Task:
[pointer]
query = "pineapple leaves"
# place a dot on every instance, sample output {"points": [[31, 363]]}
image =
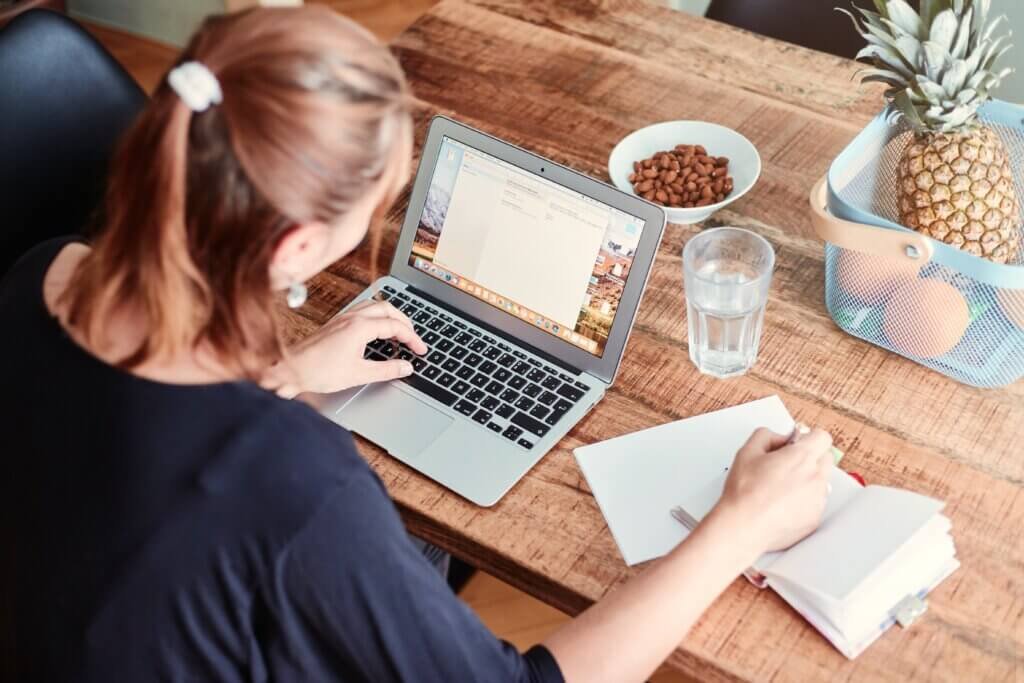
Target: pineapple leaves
{"points": [[934, 60], [905, 107], [944, 29], [963, 35], [933, 92], [903, 15], [953, 79]]}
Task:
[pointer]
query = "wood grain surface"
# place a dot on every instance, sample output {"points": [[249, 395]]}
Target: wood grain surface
{"points": [[568, 80]]}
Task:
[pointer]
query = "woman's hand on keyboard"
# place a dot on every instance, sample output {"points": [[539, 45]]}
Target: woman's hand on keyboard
{"points": [[331, 359]]}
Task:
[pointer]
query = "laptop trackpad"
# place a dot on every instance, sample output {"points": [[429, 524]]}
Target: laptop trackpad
{"points": [[396, 421]]}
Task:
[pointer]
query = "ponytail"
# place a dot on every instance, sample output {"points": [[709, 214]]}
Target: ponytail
{"points": [[314, 112]]}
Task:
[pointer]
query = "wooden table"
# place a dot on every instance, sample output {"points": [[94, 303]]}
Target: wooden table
{"points": [[568, 79]]}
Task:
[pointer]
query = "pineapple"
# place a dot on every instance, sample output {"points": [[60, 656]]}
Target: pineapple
{"points": [[954, 182]]}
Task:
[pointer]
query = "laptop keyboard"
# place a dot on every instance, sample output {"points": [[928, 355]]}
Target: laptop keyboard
{"points": [[485, 379]]}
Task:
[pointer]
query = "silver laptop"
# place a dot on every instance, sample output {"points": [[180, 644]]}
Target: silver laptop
{"points": [[523, 277]]}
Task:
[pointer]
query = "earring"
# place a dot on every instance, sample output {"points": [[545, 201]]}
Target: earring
{"points": [[297, 293]]}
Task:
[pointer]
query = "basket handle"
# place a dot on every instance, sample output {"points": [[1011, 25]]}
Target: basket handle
{"points": [[868, 239]]}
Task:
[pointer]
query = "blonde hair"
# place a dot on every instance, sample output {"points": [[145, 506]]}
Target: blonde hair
{"points": [[315, 113]]}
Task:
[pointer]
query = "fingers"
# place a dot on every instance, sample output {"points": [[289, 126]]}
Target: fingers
{"points": [[385, 370], [389, 328], [764, 440]]}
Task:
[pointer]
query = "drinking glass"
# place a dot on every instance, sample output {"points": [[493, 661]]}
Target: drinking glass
{"points": [[726, 273]]}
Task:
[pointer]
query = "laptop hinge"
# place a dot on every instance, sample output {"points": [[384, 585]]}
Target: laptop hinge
{"points": [[490, 328]]}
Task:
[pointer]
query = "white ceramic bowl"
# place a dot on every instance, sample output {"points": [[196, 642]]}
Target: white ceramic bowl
{"points": [[719, 141]]}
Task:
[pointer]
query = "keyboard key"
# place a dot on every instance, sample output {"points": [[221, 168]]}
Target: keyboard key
{"points": [[430, 337], [536, 375], [494, 427], [445, 380], [494, 388], [530, 424], [444, 316], [525, 444], [465, 372], [449, 331], [520, 367], [539, 412], [533, 361], [550, 370], [506, 360], [461, 387], [465, 407], [524, 403], [405, 354], [475, 333], [512, 432], [563, 406], [554, 417], [532, 390], [458, 352], [451, 365], [504, 347], [517, 382], [492, 352], [564, 377], [418, 364], [550, 382], [463, 338], [581, 385], [518, 354], [570, 392], [487, 367], [479, 380], [436, 357], [430, 389], [505, 410], [401, 296], [435, 324], [509, 396], [419, 329], [502, 375], [490, 340], [472, 360], [490, 403], [482, 416], [389, 288], [445, 344], [422, 317], [431, 310], [432, 372], [547, 398], [478, 345], [475, 395], [459, 324], [409, 309]]}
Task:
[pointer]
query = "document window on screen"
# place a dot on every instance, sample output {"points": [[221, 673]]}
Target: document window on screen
{"points": [[533, 248]]}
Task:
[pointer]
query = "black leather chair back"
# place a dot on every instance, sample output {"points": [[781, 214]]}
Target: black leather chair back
{"points": [[811, 23], [64, 101]]}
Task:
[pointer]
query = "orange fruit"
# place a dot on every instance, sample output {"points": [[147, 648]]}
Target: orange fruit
{"points": [[926, 318], [871, 278], [1012, 303]]}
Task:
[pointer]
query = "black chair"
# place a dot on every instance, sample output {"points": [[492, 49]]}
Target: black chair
{"points": [[64, 101], [811, 23]]}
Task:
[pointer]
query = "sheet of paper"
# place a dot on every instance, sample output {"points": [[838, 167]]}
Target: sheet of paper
{"points": [[638, 478]]}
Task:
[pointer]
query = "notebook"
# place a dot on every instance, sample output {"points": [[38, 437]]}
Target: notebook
{"points": [[878, 552]]}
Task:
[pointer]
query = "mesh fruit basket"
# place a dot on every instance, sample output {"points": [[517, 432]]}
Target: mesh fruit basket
{"points": [[944, 308]]}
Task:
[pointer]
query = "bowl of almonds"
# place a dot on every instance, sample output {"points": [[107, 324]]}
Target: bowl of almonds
{"points": [[689, 168]]}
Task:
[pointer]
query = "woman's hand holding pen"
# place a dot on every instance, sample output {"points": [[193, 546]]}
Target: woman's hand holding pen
{"points": [[776, 492]]}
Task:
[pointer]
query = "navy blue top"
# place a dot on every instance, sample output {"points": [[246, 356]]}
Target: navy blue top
{"points": [[203, 533]]}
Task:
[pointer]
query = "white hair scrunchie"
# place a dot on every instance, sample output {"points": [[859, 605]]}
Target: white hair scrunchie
{"points": [[196, 85]]}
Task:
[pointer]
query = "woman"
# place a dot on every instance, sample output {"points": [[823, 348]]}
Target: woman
{"points": [[174, 515]]}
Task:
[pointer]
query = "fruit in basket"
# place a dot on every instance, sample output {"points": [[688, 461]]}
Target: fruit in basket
{"points": [[926, 318], [953, 181], [869, 278], [1012, 303]]}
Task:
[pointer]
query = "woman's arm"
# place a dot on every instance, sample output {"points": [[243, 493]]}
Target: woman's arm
{"points": [[775, 496]]}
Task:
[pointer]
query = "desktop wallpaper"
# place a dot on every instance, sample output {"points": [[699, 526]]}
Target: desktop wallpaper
{"points": [[607, 280]]}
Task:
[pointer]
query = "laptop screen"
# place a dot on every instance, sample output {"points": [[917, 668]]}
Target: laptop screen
{"points": [[526, 245]]}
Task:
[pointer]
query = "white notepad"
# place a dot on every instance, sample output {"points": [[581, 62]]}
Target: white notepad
{"points": [[875, 547], [876, 550]]}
